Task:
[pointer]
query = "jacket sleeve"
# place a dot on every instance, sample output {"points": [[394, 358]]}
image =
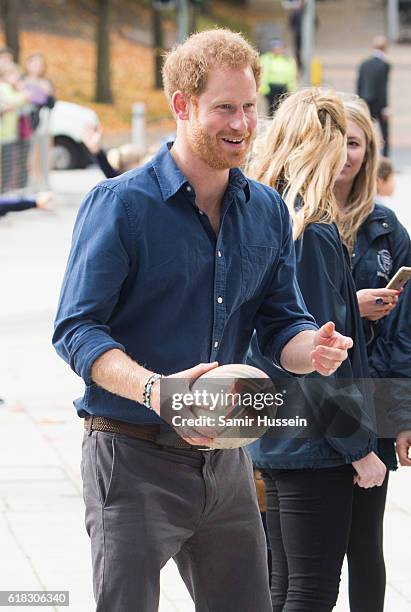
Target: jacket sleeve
{"points": [[282, 314], [391, 352], [390, 364], [384, 86], [360, 81], [390, 358], [265, 77], [350, 423], [15, 204], [105, 166], [401, 247], [98, 264]]}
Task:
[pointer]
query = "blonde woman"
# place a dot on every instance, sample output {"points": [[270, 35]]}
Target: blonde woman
{"points": [[309, 480], [378, 245]]}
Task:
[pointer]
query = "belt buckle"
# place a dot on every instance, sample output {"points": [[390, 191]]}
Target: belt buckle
{"points": [[90, 425]]}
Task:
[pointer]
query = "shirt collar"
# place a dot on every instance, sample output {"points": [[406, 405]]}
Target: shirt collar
{"points": [[379, 53], [377, 214], [171, 179]]}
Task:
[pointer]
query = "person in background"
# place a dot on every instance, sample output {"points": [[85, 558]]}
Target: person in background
{"points": [[38, 87], [9, 203], [378, 245], [279, 74], [40, 91], [310, 476], [385, 179], [296, 25], [372, 86], [13, 137], [6, 58], [117, 160]]}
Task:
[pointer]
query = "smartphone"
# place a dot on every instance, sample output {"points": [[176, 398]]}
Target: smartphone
{"points": [[400, 278]]}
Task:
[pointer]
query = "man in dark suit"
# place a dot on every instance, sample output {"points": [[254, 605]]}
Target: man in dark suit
{"points": [[372, 86]]}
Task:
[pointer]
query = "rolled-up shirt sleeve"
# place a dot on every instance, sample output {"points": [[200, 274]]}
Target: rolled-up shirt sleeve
{"points": [[283, 313], [99, 262]]}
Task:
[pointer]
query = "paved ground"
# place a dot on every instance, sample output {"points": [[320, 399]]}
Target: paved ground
{"points": [[43, 541]]}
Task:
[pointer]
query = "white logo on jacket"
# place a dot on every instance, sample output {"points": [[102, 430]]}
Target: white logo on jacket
{"points": [[385, 262]]}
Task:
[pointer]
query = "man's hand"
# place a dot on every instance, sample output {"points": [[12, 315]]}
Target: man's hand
{"points": [[330, 349], [403, 445], [370, 471], [191, 375], [376, 303], [118, 373]]}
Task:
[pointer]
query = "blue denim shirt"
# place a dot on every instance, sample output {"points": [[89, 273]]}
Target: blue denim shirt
{"points": [[148, 275]]}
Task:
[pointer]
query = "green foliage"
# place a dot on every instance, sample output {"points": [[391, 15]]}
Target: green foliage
{"points": [[206, 21]]}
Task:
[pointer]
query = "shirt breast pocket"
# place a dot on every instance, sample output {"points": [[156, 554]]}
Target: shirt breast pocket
{"points": [[257, 264]]}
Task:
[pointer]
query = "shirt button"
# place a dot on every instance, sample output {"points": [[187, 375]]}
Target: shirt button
{"points": [[200, 212], [219, 253], [385, 225], [188, 188], [216, 344], [220, 300], [353, 255]]}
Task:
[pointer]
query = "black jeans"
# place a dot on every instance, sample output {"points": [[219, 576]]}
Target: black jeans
{"points": [[308, 521], [365, 550]]}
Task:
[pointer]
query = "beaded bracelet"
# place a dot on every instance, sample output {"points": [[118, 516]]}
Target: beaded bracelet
{"points": [[147, 390]]}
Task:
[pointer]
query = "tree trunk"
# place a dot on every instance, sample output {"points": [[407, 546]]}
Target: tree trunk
{"points": [[158, 49], [192, 17], [103, 76], [10, 11]]}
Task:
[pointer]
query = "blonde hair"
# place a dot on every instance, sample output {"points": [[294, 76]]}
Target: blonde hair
{"points": [[121, 158], [187, 66], [302, 153], [361, 199]]}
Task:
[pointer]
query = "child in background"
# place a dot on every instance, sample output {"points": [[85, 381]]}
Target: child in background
{"points": [[385, 178], [116, 161]]}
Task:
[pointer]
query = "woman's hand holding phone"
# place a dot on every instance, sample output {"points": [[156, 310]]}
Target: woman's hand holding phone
{"points": [[377, 303]]}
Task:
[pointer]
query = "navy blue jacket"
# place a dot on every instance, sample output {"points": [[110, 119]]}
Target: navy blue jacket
{"points": [[105, 166], [382, 247], [329, 292], [148, 275], [15, 204]]}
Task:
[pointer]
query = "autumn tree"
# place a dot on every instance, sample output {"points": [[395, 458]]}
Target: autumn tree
{"points": [[103, 74], [10, 12]]}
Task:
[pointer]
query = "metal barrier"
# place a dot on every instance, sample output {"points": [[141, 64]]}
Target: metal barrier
{"points": [[24, 161]]}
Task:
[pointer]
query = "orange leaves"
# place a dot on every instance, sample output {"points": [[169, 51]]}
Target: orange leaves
{"points": [[71, 66]]}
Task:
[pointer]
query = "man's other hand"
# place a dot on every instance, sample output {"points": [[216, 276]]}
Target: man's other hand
{"points": [[330, 349]]}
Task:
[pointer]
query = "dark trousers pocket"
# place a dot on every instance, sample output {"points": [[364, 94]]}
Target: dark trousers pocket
{"points": [[104, 463]]}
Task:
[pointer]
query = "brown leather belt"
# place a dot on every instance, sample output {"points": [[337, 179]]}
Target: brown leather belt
{"points": [[151, 433]]}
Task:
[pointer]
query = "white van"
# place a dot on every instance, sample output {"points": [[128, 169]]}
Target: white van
{"points": [[67, 123]]}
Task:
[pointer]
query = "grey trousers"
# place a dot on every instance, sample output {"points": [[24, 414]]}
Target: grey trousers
{"points": [[146, 504]]}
